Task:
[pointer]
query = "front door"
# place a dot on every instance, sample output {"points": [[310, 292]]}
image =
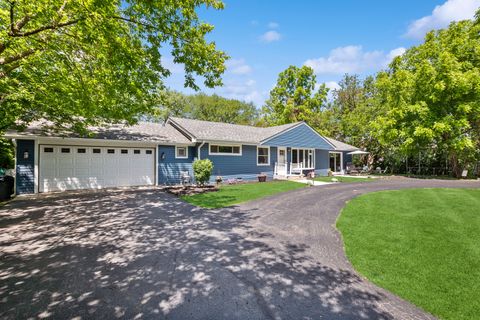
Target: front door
{"points": [[336, 162], [282, 161]]}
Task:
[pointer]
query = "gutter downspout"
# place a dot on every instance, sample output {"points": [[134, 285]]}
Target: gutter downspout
{"points": [[199, 148]]}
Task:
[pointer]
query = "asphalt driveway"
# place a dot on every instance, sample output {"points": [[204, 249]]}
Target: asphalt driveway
{"points": [[144, 254]]}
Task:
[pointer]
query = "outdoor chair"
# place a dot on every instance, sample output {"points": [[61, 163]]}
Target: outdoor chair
{"points": [[365, 169], [185, 178]]}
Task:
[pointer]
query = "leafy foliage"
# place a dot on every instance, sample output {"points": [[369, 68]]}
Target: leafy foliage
{"points": [[206, 107], [294, 98], [202, 170], [83, 62], [6, 154], [432, 97]]}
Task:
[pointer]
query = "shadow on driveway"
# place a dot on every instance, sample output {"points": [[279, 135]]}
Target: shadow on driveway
{"points": [[145, 254]]}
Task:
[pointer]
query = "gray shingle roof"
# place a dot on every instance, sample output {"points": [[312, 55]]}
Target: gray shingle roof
{"points": [[341, 146], [219, 131], [143, 131]]}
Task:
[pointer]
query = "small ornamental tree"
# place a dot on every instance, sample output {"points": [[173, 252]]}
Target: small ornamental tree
{"points": [[202, 170]]}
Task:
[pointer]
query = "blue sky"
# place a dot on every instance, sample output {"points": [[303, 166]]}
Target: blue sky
{"points": [[333, 37]]}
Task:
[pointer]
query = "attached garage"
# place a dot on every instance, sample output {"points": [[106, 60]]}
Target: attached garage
{"points": [[72, 167]]}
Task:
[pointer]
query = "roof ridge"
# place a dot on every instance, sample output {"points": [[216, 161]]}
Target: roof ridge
{"points": [[240, 125]]}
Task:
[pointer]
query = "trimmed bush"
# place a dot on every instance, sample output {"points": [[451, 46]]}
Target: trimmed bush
{"points": [[202, 170]]}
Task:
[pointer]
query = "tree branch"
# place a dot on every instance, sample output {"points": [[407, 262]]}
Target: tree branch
{"points": [[19, 25], [5, 73], [12, 16], [7, 60], [49, 27]]}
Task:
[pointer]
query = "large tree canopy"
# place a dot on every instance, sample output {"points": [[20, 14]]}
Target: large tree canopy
{"points": [[295, 97], [81, 62], [432, 96], [201, 106]]}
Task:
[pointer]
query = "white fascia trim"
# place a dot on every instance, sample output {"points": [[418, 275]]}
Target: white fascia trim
{"points": [[281, 132], [181, 129], [285, 131], [90, 141], [229, 142], [225, 154], [264, 164], [318, 134], [36, 156], [186, 151]]}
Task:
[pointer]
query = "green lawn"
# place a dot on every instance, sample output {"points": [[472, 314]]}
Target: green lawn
{"points": [[422, 244], [343, 179], [238, 193]]}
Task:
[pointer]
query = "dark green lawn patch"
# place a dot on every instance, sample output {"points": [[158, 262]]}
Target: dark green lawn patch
{"points": [[422, 244], [344, 179], [238, 193]]}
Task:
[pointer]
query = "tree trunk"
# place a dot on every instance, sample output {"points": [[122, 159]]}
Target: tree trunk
{"points": [[456, 169]]}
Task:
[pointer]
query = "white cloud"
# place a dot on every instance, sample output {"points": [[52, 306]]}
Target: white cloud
{"points": [[332, 85], [168, 63], [352, 59], [273, 25], [238, 66], [442, 15], [395, 53], [270, 36], [245, 91]]}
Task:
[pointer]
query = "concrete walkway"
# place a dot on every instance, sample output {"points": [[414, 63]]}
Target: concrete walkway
{"points": [[142, 254]]}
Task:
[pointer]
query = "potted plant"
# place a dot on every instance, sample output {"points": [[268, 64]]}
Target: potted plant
{"points": [[262, 177]]}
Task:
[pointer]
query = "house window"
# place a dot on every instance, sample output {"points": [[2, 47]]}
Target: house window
{"points": [[303, 158], [65, 150], [124, 151], [136, 151], [181, 152], [111, 151], [148, 151], [81, 150], [48, 149], [95, 150], [263, 156], [228, 150]]}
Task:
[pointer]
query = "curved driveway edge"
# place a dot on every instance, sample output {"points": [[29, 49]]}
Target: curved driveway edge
{"points": [[144, 254], [308, 218]]}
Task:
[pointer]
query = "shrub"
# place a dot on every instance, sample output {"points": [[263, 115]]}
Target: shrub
{"points": [[202, 170]]}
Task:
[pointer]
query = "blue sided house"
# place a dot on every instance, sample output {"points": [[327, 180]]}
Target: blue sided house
{"points": [[160, 153]]}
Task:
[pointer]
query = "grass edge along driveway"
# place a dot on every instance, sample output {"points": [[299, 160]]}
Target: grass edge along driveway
{"points": [[421, 244], [237, 193], [342, 179]]}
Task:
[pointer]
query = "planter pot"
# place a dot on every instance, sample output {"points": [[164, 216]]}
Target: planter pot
{"points": [[262, 178]]}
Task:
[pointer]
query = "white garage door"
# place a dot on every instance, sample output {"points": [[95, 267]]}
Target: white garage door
{"points": [[84, 167]]}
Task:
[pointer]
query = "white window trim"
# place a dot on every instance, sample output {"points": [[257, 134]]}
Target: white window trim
{"points": [[298, 156], [341, 160], [268, 155], [181, 157], [210, 153]]}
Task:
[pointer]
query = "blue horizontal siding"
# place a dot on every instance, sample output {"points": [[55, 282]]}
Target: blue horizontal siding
{"points": [[301, 136], [239, 166], [169, 168], [25, 170]]}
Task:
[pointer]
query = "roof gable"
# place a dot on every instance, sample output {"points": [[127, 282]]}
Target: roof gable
{"points": [[341, 146], [219, 131], [302, 136]]}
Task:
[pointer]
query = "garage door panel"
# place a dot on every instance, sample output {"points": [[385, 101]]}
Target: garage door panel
{"points": [[87, 167]]}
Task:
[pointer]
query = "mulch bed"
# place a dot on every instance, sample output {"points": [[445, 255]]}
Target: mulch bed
{"points": [[190, 190]]}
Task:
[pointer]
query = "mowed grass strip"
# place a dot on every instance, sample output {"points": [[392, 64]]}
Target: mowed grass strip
{"points": [[344, 179], [234, 194], [422, 244]]}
